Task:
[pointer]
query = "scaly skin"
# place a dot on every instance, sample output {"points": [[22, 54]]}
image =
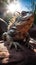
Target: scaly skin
{"points": [[20, 32], [23, 28]]}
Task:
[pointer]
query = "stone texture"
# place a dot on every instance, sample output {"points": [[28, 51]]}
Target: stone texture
{"points": [[27, 56]]}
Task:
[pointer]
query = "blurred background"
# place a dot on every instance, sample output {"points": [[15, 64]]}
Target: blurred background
{"points": [[9, 7]]}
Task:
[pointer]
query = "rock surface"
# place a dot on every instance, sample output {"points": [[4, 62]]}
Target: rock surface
{"points": [[26, 56], [33, 32]]}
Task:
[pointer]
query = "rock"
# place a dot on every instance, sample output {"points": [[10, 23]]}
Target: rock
{"points": [[19, 57], [3, 27], [33, 32], [4, 53]]}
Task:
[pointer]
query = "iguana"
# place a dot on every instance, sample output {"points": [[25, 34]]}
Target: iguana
{"points": [[19, 31]]}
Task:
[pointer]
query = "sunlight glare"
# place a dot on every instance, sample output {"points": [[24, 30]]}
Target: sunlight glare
{"points": [[13, 7]]}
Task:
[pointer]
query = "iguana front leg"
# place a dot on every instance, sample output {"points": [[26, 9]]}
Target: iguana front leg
{"points": [[16, 45], [7, 38], [27, 44], [27, 40]]}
